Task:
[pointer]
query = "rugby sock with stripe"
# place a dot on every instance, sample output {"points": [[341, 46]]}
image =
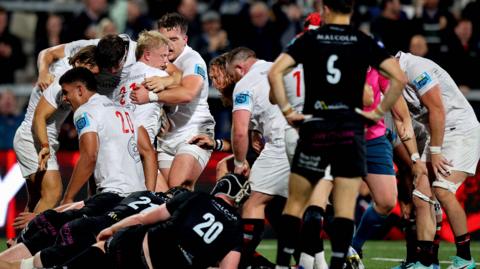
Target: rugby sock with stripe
{"points": [[288, 239], [252, 235], [341, 240], [463, 246]]}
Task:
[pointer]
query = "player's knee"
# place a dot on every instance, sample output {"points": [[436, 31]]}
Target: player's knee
{"points": [[313, 214], [385, 207]]}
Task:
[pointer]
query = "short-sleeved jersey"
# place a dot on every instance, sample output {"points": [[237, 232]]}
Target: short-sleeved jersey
{"points": [[423, 74], [118, 167], [379, 85], [135, 203], [53, 95], [335, 59], [295, 87], [252, 93], [106, 81], [146, 115], [206, 228], [195, 116]]}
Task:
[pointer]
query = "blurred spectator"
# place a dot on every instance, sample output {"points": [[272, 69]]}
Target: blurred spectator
{"points": [[418, 46], [12, 56], [295, 22], [9, 119], [471, 12], [106, 27], [214, 40], [48, 34], [189, 9], [262, 35], [458, 52], [392, 27], [84, 26], [436, 24], [137, 21]]}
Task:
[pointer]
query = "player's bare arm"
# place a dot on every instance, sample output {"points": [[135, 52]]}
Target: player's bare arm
{"points": [[207, 142], [149, 161], [157, 84], [230, 261], [240, 123], [45, 58], [436, 118], [43, 111], [277, 92], [85, 166]]}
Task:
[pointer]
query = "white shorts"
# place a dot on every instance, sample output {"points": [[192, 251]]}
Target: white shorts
{"points": [[270, 172], [461, 148], [168, 149], [291, 139], [27, 152]]}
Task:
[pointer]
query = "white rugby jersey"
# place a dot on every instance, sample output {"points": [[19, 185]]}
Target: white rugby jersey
{"points": [[423, 74], [252, 93], [106, 81], [295, 87], [53, 95], [195, 116], [118, 168], [146, 115]]}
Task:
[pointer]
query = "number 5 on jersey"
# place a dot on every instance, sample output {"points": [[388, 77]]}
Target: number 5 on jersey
{"points": [[334, 74]]}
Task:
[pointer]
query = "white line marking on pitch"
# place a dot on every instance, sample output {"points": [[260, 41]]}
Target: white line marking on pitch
{"points": [[400, 260]]}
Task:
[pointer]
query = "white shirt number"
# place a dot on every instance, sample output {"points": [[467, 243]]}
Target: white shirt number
{"points": [[213, 228], [334, 74]]}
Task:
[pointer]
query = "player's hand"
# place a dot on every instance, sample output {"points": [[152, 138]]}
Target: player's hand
{"points": [[204, 141], [374, 115], [257, 142], [405, 209], [242, 170], [440, 165], [43, 157], [155, 84], [105, 234], [23, 219], [44, 80], [140, 96], [294, 118]]}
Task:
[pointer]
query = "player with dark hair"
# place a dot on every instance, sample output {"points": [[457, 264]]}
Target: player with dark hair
{"points": [[192, 230], [335, 59]]}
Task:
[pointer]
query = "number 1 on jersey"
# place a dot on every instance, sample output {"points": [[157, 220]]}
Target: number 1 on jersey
{"points": [[297, 76]]}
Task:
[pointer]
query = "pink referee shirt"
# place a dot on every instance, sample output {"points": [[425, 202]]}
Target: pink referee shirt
{"points": [[379, 85]]}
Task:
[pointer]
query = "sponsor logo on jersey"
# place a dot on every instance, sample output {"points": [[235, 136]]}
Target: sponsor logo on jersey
{"points": [[422, 80], [82, 122], [242, 99], [200, 71]]}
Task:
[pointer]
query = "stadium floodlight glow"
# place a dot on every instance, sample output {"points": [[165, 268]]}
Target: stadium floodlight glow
{"points": [[9, 186]]}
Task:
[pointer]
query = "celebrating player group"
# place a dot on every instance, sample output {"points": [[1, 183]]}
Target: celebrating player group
{"points": [[331, 113]]}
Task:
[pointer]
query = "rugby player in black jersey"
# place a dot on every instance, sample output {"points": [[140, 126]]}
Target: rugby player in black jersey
{"points": [[335, 59]]}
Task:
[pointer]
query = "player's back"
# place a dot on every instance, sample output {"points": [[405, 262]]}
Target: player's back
{"points": [[118, 167], [295, 87], [335, 59]]}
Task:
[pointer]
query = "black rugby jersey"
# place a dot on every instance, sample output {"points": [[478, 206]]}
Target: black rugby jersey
{"points": [[335, 59], [136, 203]]}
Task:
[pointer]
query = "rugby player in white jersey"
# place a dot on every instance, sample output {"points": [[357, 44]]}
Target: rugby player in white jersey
{"points": [[38, 136], [152, 55], [115, 55], [452, 153], [180, 162], [269, 173]]}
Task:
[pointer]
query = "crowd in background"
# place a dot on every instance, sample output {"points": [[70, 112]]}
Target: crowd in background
{"points": [[445, 31]]}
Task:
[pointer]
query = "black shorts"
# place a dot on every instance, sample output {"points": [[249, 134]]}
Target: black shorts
{"points": [[125, 248], [100, 203], [339, 143]]}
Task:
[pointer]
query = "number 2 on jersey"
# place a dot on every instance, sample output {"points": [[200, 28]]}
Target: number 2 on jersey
{"points": [[334, 74], [213, 228], [129, 121]]}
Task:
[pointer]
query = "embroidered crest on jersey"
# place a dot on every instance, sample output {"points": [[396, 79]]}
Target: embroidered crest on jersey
{"points": [[422, 80], [242, 99], [200, 71], [133, 149], [82, 122]]}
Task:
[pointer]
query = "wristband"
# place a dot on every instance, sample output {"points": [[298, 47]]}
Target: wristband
{"points": [[153, 97], [237, 163], [415, 157], [218, 145], [287, 110], [435, 150], [44, 145]]}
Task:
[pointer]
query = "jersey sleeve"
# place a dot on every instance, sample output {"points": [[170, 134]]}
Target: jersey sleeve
{"points": [[242, 98], [421, 78], [298, 48], [196, 66], [84, 121], [53, 94], [74, 46]]}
